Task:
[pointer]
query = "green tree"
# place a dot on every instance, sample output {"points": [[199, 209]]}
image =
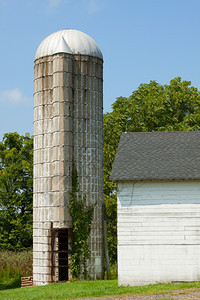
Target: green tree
{"points": [[16, 191], [152, 107]]}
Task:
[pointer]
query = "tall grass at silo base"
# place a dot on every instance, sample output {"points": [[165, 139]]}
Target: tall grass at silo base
{"points": [[13, 266], [113, 272]]}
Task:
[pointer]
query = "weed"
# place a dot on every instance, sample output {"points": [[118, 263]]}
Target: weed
{"points": [[14, 265]]}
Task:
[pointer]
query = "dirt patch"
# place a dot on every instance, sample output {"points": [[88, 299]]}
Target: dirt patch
{"points": [[186, 294]]}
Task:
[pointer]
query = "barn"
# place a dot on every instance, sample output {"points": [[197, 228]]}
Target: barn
{"points": [[158, 198]]}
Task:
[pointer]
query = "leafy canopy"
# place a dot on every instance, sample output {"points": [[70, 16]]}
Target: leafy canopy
{"points": [[152, 107], [16, 191]]}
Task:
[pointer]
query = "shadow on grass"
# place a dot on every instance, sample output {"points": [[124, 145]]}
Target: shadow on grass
{"points": [[13, 284]]}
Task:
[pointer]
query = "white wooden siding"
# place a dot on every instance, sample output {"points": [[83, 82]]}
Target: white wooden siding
{"points": [[158, 232]]}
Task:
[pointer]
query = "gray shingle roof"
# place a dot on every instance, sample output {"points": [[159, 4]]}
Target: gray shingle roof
{"points": [[157, 156]]}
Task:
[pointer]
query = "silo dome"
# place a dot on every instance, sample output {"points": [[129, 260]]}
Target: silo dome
{"points": [[68, 41]]}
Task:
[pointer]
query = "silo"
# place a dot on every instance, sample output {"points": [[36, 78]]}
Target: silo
{"points": [[68, 125]]}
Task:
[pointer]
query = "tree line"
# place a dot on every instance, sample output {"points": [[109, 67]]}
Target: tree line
{"points": [[151, 107]]}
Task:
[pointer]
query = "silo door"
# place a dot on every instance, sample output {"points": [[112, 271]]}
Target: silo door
{"points": [[63, 255], [60, 254]]}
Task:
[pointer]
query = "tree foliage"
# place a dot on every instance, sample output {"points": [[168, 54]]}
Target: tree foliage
{"points": [[152, 107], [16, 190]]}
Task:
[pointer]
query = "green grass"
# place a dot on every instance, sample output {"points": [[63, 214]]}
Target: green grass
{"points": [[88, 289], [113, 272], [13, 266]]}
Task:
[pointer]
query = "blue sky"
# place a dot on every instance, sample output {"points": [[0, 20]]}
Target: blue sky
{"points": [[141, 40]]}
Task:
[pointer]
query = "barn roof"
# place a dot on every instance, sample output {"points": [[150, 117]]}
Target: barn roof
{"points": [[157, 156]]}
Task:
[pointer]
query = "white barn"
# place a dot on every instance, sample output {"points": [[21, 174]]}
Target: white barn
{"points": [[158, 188]]}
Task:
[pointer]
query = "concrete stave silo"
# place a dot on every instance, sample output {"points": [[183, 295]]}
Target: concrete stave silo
{"points": [[68, 125]]}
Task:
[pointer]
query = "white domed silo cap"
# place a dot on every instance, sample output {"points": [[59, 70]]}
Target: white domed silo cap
{"points": [[68, 41]]}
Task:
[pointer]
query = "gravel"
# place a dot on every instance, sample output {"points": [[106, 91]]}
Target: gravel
{"points": [[186, 294]]}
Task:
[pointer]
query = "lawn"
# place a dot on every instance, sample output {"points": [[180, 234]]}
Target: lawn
{"points": [[88, 289]]}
